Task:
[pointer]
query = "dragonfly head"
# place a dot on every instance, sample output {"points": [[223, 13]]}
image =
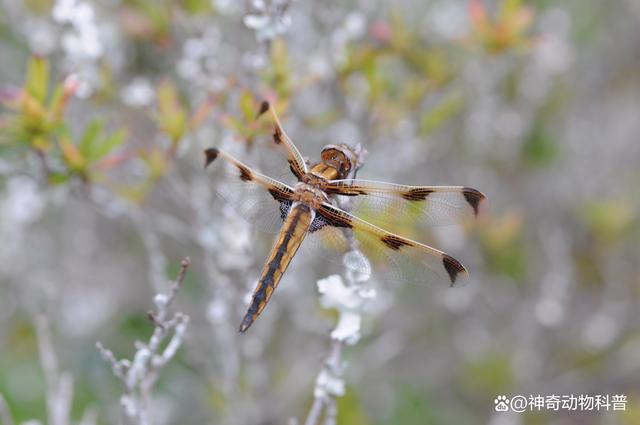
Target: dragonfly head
{"points": [[344, 158]]}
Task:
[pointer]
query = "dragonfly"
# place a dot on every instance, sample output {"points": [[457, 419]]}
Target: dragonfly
{"points": [[314, 208]]}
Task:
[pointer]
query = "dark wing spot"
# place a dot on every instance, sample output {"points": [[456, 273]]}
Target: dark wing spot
{"points": [[345, 190], [354, 192], [452, 266], [416, 194], [277, 134], [334, 218], [473, 197], [264, 107], [210, 155], [245, 173], [394, 242]]}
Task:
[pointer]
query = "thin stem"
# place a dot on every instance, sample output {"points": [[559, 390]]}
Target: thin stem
{"points": [[5, 413], [314, 413], [141, 373]]}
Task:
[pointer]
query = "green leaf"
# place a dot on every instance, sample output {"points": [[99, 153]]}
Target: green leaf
{"points": [[508, 7], [350, 410], [37, 82], [172, 116], [413, 406], [56, 98], [440, 114], [608, 220], [490, 374], [90, 136], [107, 145], [198, 7], [58, 178], [72, 155], [279, 74], [247, 106], [539, 149]]}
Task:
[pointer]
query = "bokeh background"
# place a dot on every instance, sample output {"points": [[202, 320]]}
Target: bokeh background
{"points": [[106, 107]]}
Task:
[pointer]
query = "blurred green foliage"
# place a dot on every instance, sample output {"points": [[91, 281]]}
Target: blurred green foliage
{"points": [[508, 30], [35, 122], [503, 243], [539, 149], [403, 73], [607, 220], [413, 406], [490, 374], [350, 409]]}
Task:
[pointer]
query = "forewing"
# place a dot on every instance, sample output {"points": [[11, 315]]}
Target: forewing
{"points": [[261, 200], [388, 204], [395, 258], [296, 162]]}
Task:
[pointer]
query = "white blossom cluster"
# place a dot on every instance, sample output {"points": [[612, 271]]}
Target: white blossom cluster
{"points": [[350, 296], [140, 374], [81, 41], [200, 60], [270, 19], [138, 93]]}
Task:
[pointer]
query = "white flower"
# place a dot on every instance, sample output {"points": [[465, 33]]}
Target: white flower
{"points": [[82, 44], [235, 235], [355, 24], [22, 202], [335, 294], [270, 21], [349, 301], [81, 41], [226, 7], [348, 328], [200, 57], [217, 311], [328, 384], [138, 93], [64, 11], [42, 37], [160, 300], [83, 16], [194, 48]]}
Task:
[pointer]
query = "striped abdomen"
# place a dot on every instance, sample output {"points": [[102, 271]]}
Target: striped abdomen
{"points": [[291, 236]]}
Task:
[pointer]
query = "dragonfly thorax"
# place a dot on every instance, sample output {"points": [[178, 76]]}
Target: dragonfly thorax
{"points": [[309, 195], [316, 176]]}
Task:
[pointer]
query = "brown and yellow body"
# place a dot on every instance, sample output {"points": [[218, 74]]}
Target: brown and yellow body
{"points": [[310, 206], [308, 196], [324, 170], [291, 236]]}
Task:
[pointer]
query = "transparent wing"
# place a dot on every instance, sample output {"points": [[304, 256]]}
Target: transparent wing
{"points": [[390, 258], [294, 158], [388, 204], [261, 200]]}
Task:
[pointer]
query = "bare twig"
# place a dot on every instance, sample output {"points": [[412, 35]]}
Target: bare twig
{"points": [[59, 385], [350, 300], [90, 417], [314, 413], [5, 413], [140, 374]]}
